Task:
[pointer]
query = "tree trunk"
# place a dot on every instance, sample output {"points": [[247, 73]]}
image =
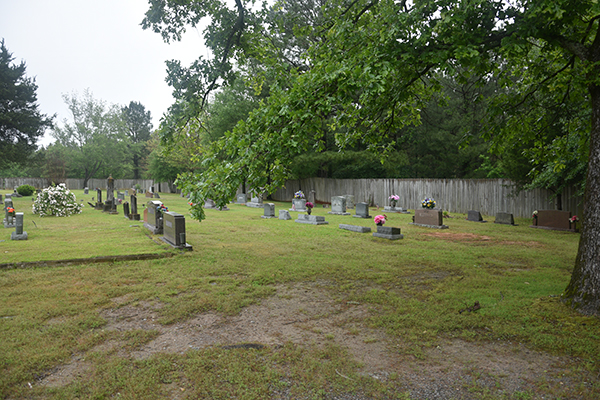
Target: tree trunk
{"points": [[583, 292]]}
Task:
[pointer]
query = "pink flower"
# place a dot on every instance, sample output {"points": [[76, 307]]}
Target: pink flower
{"points": [[379, 219]]}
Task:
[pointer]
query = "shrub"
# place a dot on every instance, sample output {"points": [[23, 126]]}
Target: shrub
{"points": [[25, 190], [58, 201]]}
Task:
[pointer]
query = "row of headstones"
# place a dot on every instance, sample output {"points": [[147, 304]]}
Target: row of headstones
{"points": [[544, 219], [13, 221]]}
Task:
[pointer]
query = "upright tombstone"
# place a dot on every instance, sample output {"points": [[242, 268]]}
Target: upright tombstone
{"points": [[110, 195], [474, 216], [269, 211], [120, 195], [209, 204], [362, 210], [99, 204], [156, 195], [153, 218], [388, 232], [429, 218], [298, 205], [504, 218], [174, 230], [126, 210], [149, 194], [338, 206], [312, 196], [132, 192], [18, 234], [349, 200], [241, 199], [284, 215], [86, 190], [553, 220], [9, 219], [256, 201], [134, 216], [0, 197]]}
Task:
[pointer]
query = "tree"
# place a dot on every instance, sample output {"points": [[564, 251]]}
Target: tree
{"points": [[138, 123], [94, 142], [377, 68], [21, 123]]}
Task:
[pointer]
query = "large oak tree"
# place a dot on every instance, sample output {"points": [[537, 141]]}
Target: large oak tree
{"points": [[376, 65]]}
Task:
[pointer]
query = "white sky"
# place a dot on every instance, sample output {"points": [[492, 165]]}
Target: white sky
{"points": [[71, 45]]}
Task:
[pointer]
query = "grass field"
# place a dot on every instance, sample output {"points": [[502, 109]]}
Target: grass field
{"points": [[340, 297]]}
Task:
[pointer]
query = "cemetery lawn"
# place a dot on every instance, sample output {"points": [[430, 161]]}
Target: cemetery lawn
{"points": [[266, 308]]}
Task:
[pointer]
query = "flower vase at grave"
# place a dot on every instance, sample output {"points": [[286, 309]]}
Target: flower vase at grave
{"points": [[308, 211]]}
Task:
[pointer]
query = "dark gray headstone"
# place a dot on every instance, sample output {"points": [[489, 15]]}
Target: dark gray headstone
{"points": [[86, 190], [504, 218], [99, 204], [18, 234], [553, 219], [126, 210], [174, 230], [475, 216], [134, 215], [362, 210]]}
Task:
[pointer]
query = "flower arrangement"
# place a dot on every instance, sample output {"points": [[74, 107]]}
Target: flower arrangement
{"points": [[534, 215], [380, 219], [573, 219], [299, 195], [428, 203], [11, 211], [394, 199], [56, 200], [162, 209], [309, 205]]}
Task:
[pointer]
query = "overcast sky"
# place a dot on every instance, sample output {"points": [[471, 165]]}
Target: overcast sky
{"points": [[71, 45]]}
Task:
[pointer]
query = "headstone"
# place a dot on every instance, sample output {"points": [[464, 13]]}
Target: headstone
{"points": [[349, 200], [120, 195], [126, 210], [174, 230], [311, 219], [554, 220], [355, 228], [241, 198], [9, 219], [298, 205], [284, 214], [256, 201], [429, 218], [209, 204], [134, 216], [362, 210], [149, 194], [99, 204], [156, 195], [338, 206], [19, 234], [153, 218], [110, 188], [132, 192], [0, 197], [504, 218], [312, 196], [475, 216], [269, 211], [388, 232], [86, 190]]}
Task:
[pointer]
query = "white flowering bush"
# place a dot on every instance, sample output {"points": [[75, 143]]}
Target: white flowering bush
{"points": [[58, 201]]}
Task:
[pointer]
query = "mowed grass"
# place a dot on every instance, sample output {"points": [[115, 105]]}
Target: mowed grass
{"points": [[415, 286]]}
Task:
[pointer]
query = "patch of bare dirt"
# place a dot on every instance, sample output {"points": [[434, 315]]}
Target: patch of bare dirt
{"points": [[307, 313], [459, 237]]}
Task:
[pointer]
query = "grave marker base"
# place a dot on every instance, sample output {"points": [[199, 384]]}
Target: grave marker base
{"points": [[338, 213], [395, 210], [16, 236], [355, 228], [311, 219], [182, 247]]}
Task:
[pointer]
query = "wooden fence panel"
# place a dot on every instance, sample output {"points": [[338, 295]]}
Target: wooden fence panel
{"points": [[489, 196]]}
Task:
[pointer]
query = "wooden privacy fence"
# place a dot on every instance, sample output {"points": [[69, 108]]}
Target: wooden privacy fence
{"points": [[488, 196], [77, 184]]}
